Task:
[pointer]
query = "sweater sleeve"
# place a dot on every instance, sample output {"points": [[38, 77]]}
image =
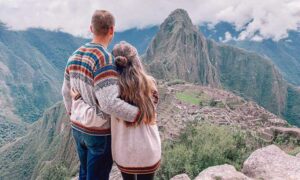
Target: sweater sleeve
{"points": [[107, 93], [66, 92]]}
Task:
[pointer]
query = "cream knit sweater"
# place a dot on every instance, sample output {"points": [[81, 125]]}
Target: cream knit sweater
{"points": [[135, 149]]}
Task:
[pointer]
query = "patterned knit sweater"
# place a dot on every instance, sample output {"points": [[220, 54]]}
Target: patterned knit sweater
{"points": [[92, 72]]}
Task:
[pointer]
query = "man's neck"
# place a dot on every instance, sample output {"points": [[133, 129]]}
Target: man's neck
{"points": [[100, 40]]}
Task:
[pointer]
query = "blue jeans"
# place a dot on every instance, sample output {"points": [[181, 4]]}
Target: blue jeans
{"points": [[94, 154]]}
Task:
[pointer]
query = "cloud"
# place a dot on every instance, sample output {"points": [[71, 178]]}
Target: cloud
{"points": [[228, 37], [257, 18]]}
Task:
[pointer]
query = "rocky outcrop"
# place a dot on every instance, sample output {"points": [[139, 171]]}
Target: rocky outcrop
{"points": [[181, 177], [272, 163], [268, 163], [224, 172], [217, 106]]}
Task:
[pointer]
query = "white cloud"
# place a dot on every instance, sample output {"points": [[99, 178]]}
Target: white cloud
{"points": [[228, 37], [270, 18]]}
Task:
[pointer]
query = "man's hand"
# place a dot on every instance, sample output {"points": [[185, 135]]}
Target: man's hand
{"points": [[75, 94]]}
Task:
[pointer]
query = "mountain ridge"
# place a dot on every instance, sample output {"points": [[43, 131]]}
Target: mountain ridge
{"points": [[177, 51]]}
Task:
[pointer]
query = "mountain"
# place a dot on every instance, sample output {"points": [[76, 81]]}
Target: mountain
{"points": [[32, 63], [180, 51], [48, 147], [284, 53], [31, 68]]}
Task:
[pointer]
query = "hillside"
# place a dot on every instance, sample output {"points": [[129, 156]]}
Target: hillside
{"points": [[180, 51], [49, 145], [31, 68], [283, 53], [31, 73]]}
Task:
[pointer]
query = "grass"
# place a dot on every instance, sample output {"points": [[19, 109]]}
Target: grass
{"points": [[189, 97], [198, 98]]}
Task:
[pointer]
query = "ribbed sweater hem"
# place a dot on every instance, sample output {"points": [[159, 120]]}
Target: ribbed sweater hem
{"points": [[139, 170], [90, 131]]}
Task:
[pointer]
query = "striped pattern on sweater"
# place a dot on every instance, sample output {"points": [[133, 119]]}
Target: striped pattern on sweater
{"points": [[91, 70]]}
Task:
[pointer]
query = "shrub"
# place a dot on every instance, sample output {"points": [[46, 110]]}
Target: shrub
{"points": [[202, 146], [55, 172]]}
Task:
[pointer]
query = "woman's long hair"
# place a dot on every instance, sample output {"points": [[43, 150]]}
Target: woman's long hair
{"points": [[136, 87]]}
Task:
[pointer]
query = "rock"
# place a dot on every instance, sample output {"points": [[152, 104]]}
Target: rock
{"points": [[266, 134], [295, 132], [222, 172], [272, 163], [181, 177]]}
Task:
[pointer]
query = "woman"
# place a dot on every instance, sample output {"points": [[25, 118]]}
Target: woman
{"points": [[136, 147]]}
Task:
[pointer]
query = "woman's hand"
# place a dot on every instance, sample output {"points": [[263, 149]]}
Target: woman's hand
{"points": [[75, 94]]}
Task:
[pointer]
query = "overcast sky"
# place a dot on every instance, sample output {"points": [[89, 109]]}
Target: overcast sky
{"points": [[271, 17]]}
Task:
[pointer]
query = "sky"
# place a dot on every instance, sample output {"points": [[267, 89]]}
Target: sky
{"points": [[268, 18]]}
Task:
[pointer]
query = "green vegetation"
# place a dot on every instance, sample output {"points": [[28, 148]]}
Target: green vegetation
{"points": [[55, 172], [35, 60], [292, 112], [205, 145], [188, 97], [44, 151], [284, 139], [198, 98], [9, 131]]}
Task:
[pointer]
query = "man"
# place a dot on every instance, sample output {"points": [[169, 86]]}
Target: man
{"points": [[91, 71]]}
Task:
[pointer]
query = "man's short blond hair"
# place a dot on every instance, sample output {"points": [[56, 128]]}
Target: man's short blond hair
{"points": [[102, 21]]}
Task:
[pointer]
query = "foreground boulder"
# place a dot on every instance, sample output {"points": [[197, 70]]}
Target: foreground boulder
{"points": [[181, 177], [272, 163], [223, 172]]}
